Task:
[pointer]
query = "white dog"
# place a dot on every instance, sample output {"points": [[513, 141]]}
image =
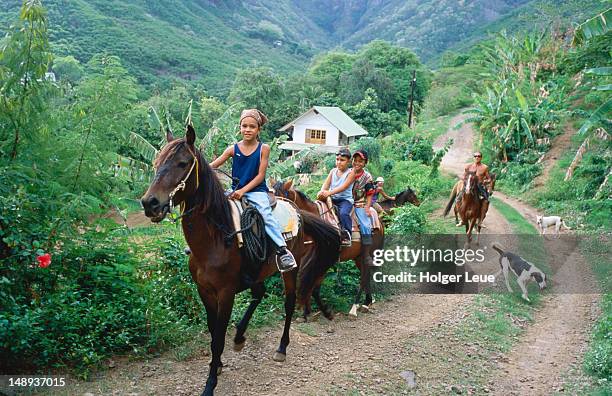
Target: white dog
{"points": [[544, 222], [523, 269]]}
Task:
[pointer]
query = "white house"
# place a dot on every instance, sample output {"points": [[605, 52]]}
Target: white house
{"points": [[324, 128]]}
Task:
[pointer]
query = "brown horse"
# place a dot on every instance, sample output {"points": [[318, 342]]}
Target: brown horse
{"points": [[459, 186], [470, 207], [353, 252], [401, 198], [183, 177]]}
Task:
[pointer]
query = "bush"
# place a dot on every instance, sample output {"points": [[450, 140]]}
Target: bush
{"points": [[518, 177], [420, 149], [84, 307], [408, 220], [370, 145]]}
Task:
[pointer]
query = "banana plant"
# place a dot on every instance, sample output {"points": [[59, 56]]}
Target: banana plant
{"points": [[596, 26]]}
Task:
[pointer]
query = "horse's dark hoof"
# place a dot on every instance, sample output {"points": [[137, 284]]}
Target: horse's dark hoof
{"points": [[329, 315], [239, 345], [279, 357]]}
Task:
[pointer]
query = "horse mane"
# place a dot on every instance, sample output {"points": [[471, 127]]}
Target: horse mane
{"points": [[303, 196], [278, 186], [214, 202]]}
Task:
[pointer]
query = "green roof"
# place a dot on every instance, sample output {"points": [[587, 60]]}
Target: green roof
{"points": [[337, 117]]}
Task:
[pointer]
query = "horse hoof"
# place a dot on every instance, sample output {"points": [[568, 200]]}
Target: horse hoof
{"points": [[364, 309], [353, 311], [238, 346], [279, 357]]}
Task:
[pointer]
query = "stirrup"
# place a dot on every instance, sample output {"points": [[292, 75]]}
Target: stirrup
{"points": [[348, 240], [285, 261]]}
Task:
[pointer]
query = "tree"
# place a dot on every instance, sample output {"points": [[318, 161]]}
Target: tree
{"points": [[263, 89], [97, 125], [211, 109], [24, 59], [397, 63], [326, 70], [363, 76], [68, 68]]}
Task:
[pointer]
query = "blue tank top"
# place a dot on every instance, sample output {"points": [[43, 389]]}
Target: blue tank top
{"points": [[245, 168], [337, 182]]}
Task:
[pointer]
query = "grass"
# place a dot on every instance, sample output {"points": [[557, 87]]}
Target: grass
{"points": [[518, 222]]}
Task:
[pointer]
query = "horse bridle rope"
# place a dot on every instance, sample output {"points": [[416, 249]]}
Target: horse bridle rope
{"points": [[183, 183]]}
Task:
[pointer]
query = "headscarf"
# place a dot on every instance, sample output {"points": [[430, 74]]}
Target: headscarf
{"points": [[256, 114]]}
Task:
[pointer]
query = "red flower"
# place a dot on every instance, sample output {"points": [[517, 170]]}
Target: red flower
{"points": [[44, 261]]}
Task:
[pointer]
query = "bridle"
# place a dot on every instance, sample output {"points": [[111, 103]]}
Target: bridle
{"points": [[183, 183]]}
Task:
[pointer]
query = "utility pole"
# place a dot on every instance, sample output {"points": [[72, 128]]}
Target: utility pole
{"points": [[411, 105]]}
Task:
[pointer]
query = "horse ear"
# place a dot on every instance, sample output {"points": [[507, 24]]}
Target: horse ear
{"points": [[169, 135], [191, 135], [288, 184]]}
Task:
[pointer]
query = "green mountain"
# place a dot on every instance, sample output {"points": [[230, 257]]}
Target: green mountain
{"points": [[195, 40], [208, 41]]}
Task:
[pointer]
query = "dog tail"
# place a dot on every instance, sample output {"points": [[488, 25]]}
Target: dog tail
{"points": [[498, 247], [451, 201], [565, 225]]}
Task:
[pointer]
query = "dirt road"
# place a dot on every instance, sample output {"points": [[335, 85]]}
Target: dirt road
{"points": [[560, 331]]}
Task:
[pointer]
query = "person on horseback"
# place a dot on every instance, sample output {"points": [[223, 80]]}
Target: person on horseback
{"points": [[482, 171], [249, 165], [363, 190], [380, 181], [339, 185]]}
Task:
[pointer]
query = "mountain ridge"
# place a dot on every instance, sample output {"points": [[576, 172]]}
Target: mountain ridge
{"points": [[207, 42]]}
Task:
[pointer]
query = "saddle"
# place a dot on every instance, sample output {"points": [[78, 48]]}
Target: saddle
{"points": [[283, 211], [329, 213]]}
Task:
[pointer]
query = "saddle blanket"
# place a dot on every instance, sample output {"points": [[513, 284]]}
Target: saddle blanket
{"points": [[284, 212]]}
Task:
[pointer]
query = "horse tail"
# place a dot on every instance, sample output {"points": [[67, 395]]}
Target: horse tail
{"points": [[451, 201], [327, 252], [498, 248]]}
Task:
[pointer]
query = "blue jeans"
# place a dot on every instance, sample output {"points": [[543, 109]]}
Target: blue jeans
{"points": [[259, 200], [365, 225], [344, 207]]}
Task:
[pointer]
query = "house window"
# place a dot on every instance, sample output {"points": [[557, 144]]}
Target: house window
{"points": [[316, 136]]}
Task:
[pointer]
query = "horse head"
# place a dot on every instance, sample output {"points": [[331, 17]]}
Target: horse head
{"points": [[283, 189], [407, 195], [180, 172], [470, 183]]}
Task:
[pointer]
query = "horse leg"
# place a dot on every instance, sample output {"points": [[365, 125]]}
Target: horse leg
{"points": [[290, 279], [471, 222], [306, 312], [316, 293], [258, 291], [224, 311], [353, 311]]}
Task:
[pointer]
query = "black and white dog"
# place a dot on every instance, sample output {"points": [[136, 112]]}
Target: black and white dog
{"points": [[523, 269]]}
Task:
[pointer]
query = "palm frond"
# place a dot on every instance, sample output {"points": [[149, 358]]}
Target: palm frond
{"points": [[596, 26]]}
